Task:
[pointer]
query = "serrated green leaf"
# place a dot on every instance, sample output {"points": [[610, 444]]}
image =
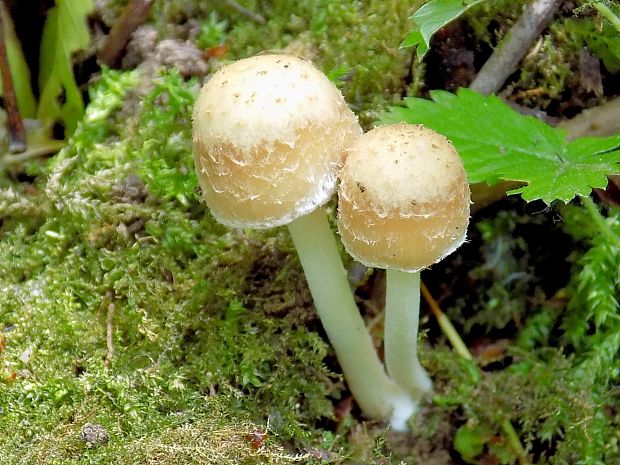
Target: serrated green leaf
{"points": [[430, 18], [64, 33], [497, 143]]}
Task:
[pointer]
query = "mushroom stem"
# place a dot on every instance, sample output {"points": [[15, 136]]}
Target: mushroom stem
{"points": [[402, 311], [376, 394]]}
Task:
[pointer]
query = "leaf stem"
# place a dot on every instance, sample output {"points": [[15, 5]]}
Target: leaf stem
{"points": [[599, 220], [461, 349], [608, 14], [134, 15]]}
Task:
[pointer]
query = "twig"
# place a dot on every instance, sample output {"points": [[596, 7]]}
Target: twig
{"points": [[514, 46], [133, 16], [461, 349], [446, 325], [17, 131], [603, 120], [33, 152], [111, 307], [244, 11]]}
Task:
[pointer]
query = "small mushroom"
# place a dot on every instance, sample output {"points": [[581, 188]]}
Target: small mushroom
{"points": [[412, 212], [270, 135]]}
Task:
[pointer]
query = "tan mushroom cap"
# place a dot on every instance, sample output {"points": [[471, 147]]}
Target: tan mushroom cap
{"points": [[270, 134], [404, 198]]}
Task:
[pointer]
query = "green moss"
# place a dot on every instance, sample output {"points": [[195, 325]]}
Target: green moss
{"points": [[123, 304], [551, 70], [113, 241], [491, 21], [359, 41], [212, 433], [548, 70], [555, 384]]}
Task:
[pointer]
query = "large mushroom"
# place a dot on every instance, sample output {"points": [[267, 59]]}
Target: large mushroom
{"points": [[403, 205], [270, 135]]}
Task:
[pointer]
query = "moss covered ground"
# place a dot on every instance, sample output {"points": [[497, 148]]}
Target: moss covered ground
{"points": [[124, 304]]}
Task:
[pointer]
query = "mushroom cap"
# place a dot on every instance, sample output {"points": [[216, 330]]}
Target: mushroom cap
{"points": [[269, 135], [404, 198]]}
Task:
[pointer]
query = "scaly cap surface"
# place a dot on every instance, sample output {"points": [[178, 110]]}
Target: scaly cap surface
{"points": [[269, 134], [404, 200]]}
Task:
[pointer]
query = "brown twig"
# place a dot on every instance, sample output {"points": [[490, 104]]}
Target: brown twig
{"points": [[133, 16], [244, 11], [600, 121], [445, 324], [17, 131], [505, 58], [111, 307]]}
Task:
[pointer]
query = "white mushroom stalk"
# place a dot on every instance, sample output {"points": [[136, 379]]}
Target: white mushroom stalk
{"points": [[403, 205], [402, 314], [270, 135], [377, 395]]}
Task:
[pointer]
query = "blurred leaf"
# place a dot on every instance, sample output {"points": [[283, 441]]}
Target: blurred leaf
{"points": [[65, 32], [19, 69], [212, 32], [469, 440]]}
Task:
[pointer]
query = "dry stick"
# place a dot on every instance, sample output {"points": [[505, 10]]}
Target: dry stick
{"points": [[244, 11], [505, 58], [461, 349], [601, 121], [111, 307], [51, 146], [17, 131], [133, 16]]}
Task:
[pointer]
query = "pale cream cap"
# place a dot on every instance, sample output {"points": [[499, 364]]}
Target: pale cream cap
{"points": [[269, 134], [404, 199]]}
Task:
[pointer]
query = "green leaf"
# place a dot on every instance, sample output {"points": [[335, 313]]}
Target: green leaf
{"points": [[430, 18], [469, 440], [497, 143], [64, 33], [19, 68], [601, 39]]}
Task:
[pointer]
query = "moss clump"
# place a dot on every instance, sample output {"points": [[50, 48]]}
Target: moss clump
{"points": [[552, 76], [213, 435], [548, 347], [122, 302], [356, 43]]}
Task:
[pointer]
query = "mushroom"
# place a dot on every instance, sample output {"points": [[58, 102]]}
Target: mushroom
{"points": [[270, 135], [403, 205]]}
